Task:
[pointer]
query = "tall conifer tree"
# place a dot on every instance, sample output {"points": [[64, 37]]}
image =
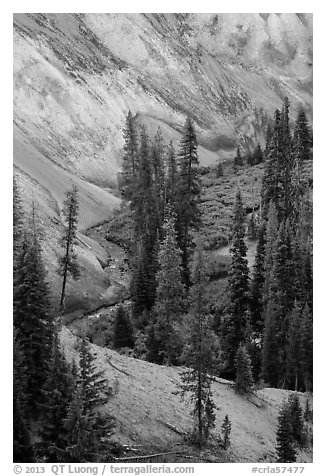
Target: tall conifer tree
{"points": [[170, 289], [234, 324], [122, 332], [58, 391], [146, 233], [188, 213], [32, 317], [171, 181], [285, 449], [200, 351], [285, 158], [157, 163], [270, 185], [257, 284], [244, 380], [294, 363], [81, 442], [23, 451], [68, 264], [130, 159]]}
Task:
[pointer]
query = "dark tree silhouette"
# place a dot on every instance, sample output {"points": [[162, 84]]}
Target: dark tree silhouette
{"points": [[68, 265]]}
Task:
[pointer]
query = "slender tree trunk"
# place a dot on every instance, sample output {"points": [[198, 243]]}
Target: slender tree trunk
{"points": [[63, 289], [64, 282], [168, 351]]}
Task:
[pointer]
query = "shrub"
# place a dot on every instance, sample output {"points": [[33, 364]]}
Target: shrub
{"points": [[224, 438], [244, 379]]}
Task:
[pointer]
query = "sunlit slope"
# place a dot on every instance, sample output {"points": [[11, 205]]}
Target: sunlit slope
{"points": [[76, 76], [95, 203]]}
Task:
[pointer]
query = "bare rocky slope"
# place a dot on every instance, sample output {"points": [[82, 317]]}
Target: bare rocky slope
{"points": [[77, 75]]}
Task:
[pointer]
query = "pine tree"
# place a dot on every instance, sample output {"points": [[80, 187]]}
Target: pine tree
{"points": [[279, 167], [157, 163], [285, 165], [93, 385], [81, 443], [302, 135], [271, 359], [130, 159], [296, 419], [209, 417], [146, 233], [123, 331], [252, 227], [85, 424], [281, 294], [269, 134], [294, 361], [298, 184], [171, 181], [233, 326], [188, 199], [238, 161], [58, 392], [269, 249], [257, 156], [143, 279], [22, 447], [19, 373], [257, 284], [200, 352], [303, 239], [226, 431], [244, 381], [32, 318], [307, 346], [23, 451], [170, 290], [270, 184], [18, 221], [154, 346], [284, 448], [143, 202], [68, 265]]}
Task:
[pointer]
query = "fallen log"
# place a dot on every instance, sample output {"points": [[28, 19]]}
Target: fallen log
{"points": [[116, 368], [156, 455], [172, 427]]}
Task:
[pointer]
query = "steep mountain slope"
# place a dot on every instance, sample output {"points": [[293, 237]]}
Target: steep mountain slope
{"points": [[144, 400], [77, 75]]}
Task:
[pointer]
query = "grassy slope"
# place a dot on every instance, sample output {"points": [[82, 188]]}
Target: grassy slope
{"points": [[144, 394], [218, 197]]}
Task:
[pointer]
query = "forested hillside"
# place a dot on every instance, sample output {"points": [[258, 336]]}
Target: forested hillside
{"points": [[76, 76], [256, 332], [163, 239]]}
